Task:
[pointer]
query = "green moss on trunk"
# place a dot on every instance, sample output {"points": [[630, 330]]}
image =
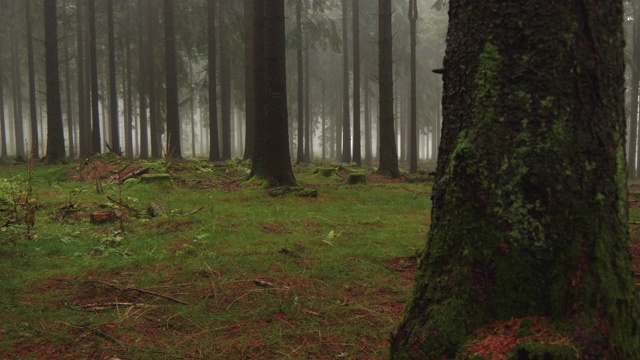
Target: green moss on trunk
{"points": [[529, 205]]}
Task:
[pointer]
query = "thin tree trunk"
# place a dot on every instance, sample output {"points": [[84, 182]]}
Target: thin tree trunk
{"points": [[413, 112], [308, 124], [346, 123], [3, 124], [33, 111], [388, 152], [154, 114], [96, 143], [300, 87], [18, 126], [368, 134], [249, 67], [174, 147], [113, 95], [55, 131], [143, 85], [225, 80], [127, 91], [357, 156], [214, 147], [84, 122], [67, 83]]}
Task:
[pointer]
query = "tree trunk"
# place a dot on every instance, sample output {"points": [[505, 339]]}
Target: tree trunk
{"points": [[346, 123], [174, 148], [96, 144], [272, 161], [357, 156], [368, 134], [3, 124], [214, 147], [308, 136], [225, 81], [516, 236], [249, 68], [17, 102], [113, 95], [67, 83], [633, 108], [154, 114], [33, 111], [413, 112], [55, 131], [388, 152], [300, 86], [143, 85], [84, 122], [127, 91]]}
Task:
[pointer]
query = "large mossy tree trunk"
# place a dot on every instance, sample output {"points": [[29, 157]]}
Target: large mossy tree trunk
{"points": [[530, 202]]}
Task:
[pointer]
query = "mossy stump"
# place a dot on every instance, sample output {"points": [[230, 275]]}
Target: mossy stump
{"points": [[357, 178], [326, 172], [161, 179]]}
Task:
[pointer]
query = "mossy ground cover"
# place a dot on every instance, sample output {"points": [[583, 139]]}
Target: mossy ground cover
{"points": [[220, 271]]}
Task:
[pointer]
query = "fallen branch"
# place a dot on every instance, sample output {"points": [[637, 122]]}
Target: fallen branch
{"points": [[149, 292], [123, 205]]}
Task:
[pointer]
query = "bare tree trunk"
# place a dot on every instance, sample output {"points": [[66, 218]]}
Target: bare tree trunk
{"points": [[174, 140], [154, 114], [225, 81], [346, 123], [18, 126], [96, 144], [249, 66], [55, 131], [67, 72], [413, 112], [127, 91], [308, 124], [113, 95], [214, 147], [357, 156], [3, 124], [300, 86], [33, 111], [84, 121], [143, 85], [368, 134], [388, 152]]}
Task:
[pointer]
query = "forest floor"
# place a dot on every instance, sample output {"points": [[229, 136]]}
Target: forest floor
{"points": [[202, 265]]}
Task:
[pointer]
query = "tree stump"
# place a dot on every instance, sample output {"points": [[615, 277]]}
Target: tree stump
{"points": [[326, 172], [357, 178]]}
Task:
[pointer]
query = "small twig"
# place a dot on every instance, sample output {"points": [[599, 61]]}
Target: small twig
{"points": [[123, 205], [149, 292], [416, 195]]}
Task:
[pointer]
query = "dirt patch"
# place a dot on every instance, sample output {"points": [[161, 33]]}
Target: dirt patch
{"points": [[406, 265]]}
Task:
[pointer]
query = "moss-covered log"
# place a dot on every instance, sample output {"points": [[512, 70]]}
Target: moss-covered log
{"points": [[530, 202]]}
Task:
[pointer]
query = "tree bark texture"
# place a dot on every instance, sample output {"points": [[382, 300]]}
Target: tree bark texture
{"points": [[530, 204], [214, 145], [84, 121], [357, 153], [413, 111], [174, 148], [143, 86], [346, 123], [113, 95], [388, 151], [33, 111], [151, 83], [3, 124], [225, 80], [96, 145], [300, 85], [249, 66], [55, 129], [18, 125], [272, 162]]}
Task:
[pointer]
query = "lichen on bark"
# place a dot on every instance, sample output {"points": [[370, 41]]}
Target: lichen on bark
{"points": [[529, 205]]}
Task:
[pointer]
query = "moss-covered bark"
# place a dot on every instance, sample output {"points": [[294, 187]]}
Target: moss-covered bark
{"points": [[530, 202]]}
